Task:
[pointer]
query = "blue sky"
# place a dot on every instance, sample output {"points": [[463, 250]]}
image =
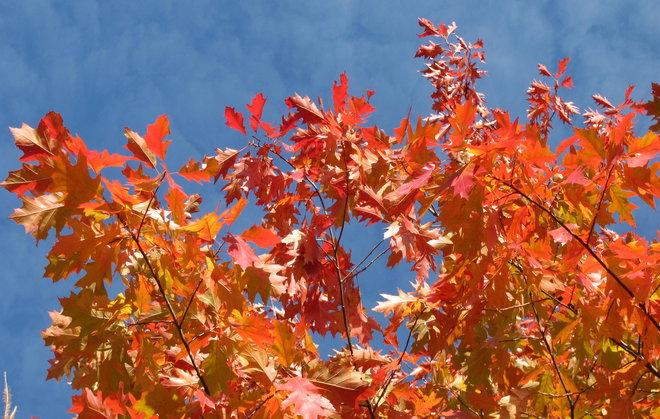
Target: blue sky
{"points": [[108, 65]]}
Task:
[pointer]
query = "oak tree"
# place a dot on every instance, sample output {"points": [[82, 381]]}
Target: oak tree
{"points": [[523, 298]]}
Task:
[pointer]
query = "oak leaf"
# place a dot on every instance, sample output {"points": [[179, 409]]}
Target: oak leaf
{"points": [[155, 134], [234, 120], [138, 146], [305, 399]]}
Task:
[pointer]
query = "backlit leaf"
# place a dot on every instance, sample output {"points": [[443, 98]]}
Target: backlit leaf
{"points": [[234, 120]]}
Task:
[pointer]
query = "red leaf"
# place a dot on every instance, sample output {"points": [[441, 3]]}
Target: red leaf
{"points": [[358, 108], [629, 91], [45, 141], [602, 101], [193, 171], [306, 109], [400, 132], [419, 179], [429, 28], [234, 120], [562, 67], [288, 123], [29, 178], [268, 129], [544, 70], [256, 109], [96, 160], [38, 215], [52, 127], [212, 167], [463, 182], [567, 82], [652, 107], [155, 134], [394, 303], [577, 176], [340, 93], [225, 160], [560, 235], [240, 251], [231, 214]]}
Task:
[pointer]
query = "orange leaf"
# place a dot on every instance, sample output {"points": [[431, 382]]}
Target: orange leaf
{"points": [[138, 146], [38, 215], [176, 199], [155, 134], [262, 237], [234, 120], [207, 227]]}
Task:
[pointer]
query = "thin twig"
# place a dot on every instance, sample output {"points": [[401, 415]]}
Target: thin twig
{"points": [[398, 364], [499, 310], [161, 289], [150, 322], [260, 405], [373, 249], [544, 339], [151, 200], [637, 356], [461, 401], [561, 303], [192, 298], [637, 383], [335, 247], [368, 265], [335, 243], [600, 202]]}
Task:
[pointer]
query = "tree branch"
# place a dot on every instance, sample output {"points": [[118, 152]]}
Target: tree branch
{"points": [[614, 276], [637, 356], [192, 298], [600, 203], [544, 339], [161, 290]]}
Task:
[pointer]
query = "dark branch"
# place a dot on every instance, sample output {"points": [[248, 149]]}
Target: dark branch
{"points": [[614, 276]]}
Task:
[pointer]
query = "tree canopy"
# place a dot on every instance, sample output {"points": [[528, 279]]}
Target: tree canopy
{"points": [[523, 297]]}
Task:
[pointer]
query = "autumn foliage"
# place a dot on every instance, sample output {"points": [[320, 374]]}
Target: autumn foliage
{"points": [[523, 298]]}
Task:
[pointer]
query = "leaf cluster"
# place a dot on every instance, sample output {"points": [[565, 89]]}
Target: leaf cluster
{"points": [[523, 298]]}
